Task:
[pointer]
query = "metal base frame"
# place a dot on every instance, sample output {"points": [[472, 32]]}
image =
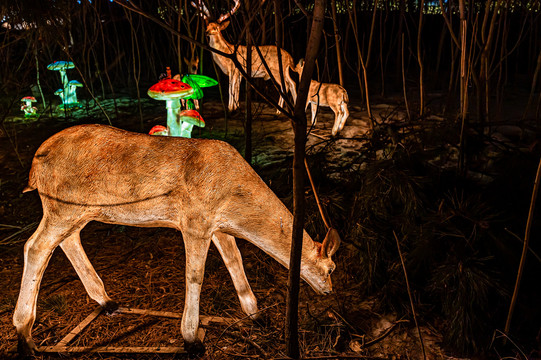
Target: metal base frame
{"points": [[63, 345]]}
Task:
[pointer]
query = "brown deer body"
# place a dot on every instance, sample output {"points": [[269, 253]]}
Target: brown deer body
{"points": [[329, 95], [203, 188]]}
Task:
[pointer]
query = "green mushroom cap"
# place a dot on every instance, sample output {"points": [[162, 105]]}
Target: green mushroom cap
{"points": [[60, 65], [197, 92], [75, 83], [202, 80]]}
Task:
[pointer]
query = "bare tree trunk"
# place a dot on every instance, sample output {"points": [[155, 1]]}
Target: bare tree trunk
{"points": [[292, 310], [353, 20], [404, 79], [337, 42], [248, 114], [463, 84], [534, 84], [420, 61]]}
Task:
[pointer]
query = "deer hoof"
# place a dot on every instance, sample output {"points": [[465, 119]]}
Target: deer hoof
{"points": [[110, 307], [195, 348], [26, 347], [262, 321]]}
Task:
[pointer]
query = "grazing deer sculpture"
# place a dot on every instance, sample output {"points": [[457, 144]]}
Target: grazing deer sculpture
{"points": [[328, 95], [268, 52], [203, 188]]}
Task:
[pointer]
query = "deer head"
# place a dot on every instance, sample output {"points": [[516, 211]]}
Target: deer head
{"points": [[215, 26], [193, 64]]}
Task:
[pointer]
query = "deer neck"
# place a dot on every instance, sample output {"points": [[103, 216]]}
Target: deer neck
{"points": [[218, 42], [271, 230]]}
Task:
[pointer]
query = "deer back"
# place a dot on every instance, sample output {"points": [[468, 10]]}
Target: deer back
{"points": [[326, 94]]}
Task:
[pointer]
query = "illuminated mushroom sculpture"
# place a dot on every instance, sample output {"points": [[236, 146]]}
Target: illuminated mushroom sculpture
{"points": [[197, 82], [186, 120], [159, 130], [72, 92], [27, 107], [171, 90], [68, 93]]}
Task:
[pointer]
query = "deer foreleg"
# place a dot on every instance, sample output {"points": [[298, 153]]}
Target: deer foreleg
{"points": [[227, 247], [91, 281], [196, 246], [234, 90], [37, 252], [313, 107]]}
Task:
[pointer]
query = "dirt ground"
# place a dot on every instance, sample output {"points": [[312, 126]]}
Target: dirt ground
{"points": [[144, 267]]}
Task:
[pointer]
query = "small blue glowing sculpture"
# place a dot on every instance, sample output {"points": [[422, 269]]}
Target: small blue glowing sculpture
{"points": [[27, 107], [68, 93]]}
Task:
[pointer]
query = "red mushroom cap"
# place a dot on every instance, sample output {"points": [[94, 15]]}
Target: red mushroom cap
{"points": [[191, 117], [158, 130], [168, 89], [31, 98]]}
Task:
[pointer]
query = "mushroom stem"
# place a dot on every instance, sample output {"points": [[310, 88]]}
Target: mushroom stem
{"points": [[173, 107], [71, 95], [186, 129], [64, 78]]}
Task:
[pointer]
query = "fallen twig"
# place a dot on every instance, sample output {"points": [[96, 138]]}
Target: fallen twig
{"points": [[409, 294], [6, 240]]}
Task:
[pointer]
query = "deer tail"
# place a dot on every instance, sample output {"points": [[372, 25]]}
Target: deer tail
{"points": [[298, 67], [30, 187], [32, 178]]}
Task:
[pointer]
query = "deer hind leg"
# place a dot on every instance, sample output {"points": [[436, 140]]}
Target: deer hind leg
{"points": [[344, 115], [289, 87], [91, 281], [37, 253], [196, 245], [337, 119], [227, 247]]}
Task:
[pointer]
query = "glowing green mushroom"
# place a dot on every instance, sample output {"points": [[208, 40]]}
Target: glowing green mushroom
{"points": [[61, 67], [68, 93], [197, 82]]}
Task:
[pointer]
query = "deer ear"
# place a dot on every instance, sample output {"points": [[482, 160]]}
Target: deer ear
{"points": [[224, 24], [331, 243], [186, 61]]}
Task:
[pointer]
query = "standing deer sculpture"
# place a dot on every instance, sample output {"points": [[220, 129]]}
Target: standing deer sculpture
{"points": [[328, 95], [269, 56], [203, 188]]}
